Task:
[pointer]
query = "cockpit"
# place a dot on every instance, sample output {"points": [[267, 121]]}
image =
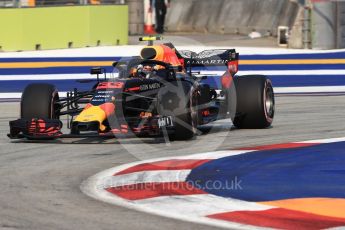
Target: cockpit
{"points": [[154, 61]]}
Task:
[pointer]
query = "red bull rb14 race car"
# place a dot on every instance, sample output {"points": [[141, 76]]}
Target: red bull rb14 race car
{"points": [[162, 91]]}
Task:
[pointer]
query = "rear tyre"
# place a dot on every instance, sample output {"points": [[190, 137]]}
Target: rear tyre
{"points": [[255, 102], [39, 101], [176, 99]]}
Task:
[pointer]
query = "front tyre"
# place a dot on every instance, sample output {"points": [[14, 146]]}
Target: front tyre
{"points": [[178, 100], [39, 101], [255, 102]]}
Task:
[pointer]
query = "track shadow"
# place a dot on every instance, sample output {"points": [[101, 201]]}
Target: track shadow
{"points": [[214, 128]]}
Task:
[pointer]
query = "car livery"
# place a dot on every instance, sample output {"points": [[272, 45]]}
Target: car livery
{"points": [[158, 92]]}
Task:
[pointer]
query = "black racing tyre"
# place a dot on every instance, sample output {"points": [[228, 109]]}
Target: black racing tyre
{"points": [[255, 102], [176, 99], [38, 101]]}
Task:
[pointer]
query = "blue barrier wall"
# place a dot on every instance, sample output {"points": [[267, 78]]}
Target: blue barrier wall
{"points": [[285, 70]]}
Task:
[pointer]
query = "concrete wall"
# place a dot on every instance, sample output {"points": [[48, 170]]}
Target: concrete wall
{"points": [[296, 32], [328, 25], [136, 17], [324, 25], [231, 16], [63, 27], [340, 25]]}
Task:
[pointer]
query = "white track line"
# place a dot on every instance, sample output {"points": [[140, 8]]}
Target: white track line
{"points": [[158, 176], [310, 89], [341, 139], [295, 72], [134, 205], [50, 77], [281, 72], [201, 205], [46, 77], [129, 50], [91, 187], [218, 73], [19, 95]]}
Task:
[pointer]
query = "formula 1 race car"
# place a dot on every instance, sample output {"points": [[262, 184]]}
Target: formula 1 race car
{"points": [[162, 91]]}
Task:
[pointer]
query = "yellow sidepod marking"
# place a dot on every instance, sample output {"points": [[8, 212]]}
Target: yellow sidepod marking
{"points": [[94, 113]]}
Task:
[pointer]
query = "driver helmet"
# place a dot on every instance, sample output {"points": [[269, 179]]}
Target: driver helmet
{"points": [[144, 71]]}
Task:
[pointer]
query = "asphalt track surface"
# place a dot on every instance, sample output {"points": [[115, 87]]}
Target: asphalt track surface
{"points": [[40, 182]]}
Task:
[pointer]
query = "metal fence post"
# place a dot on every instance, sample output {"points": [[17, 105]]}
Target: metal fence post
{"points": [[307, 34], [16, 3], [340, 24]]}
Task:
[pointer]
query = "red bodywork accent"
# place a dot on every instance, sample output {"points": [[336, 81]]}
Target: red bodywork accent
{"points": [[182, 62], [88, 106], [133, 89], [108, 108], [233, 67], [39, 127], [124, 128], [206, 113], [169, 56], [111, 85], [226, 80]]}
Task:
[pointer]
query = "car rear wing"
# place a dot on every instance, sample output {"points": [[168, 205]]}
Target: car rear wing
{"points": [[217, 57]]}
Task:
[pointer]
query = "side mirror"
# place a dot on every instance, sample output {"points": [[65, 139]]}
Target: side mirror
{"points": [[96, 70]]}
